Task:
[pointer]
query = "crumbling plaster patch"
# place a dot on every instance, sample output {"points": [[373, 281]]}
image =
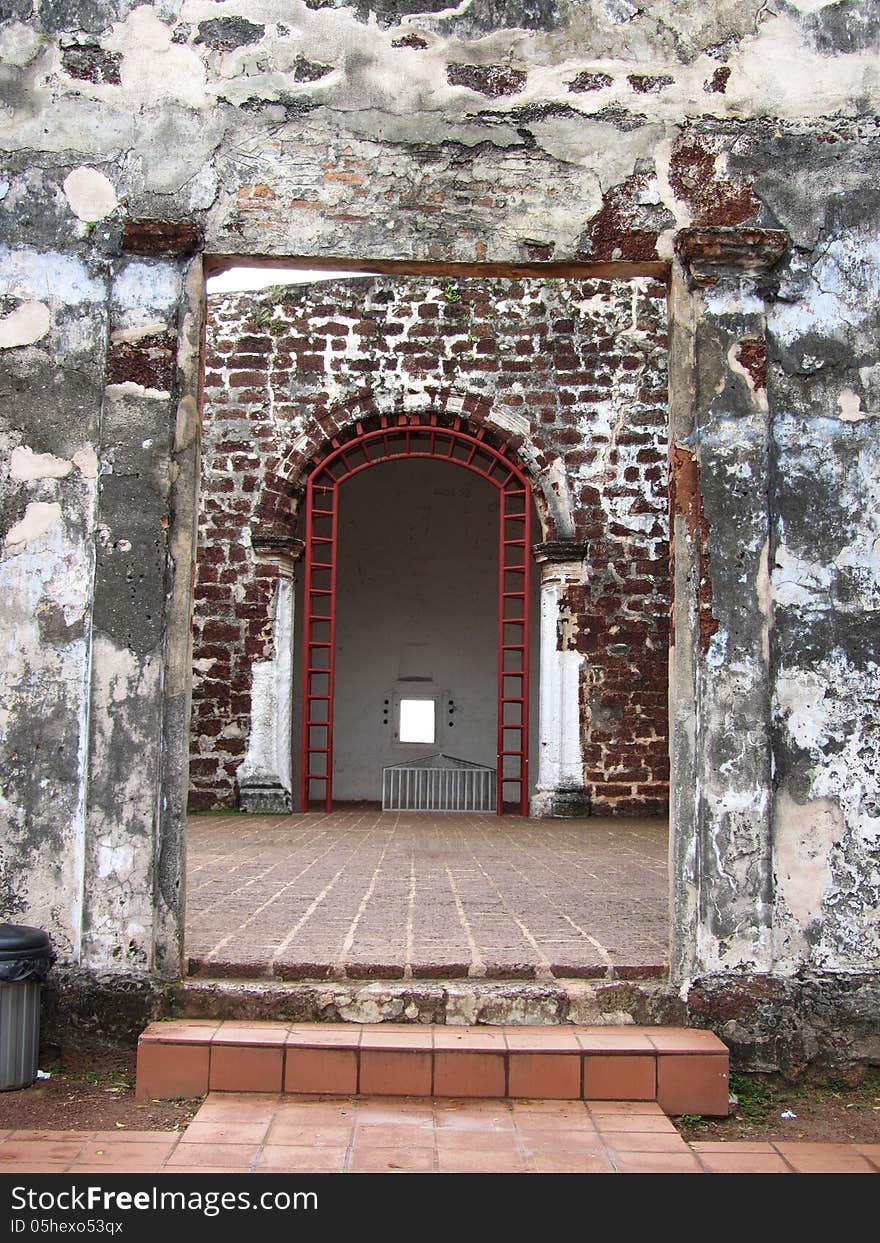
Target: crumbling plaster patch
{"points": [[27, 324], [27, 273], [38, 518], [826, 716], [118, 902], [90, 194]]}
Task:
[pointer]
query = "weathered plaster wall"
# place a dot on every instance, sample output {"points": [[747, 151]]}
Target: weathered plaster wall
{"points": [[500, 132]]}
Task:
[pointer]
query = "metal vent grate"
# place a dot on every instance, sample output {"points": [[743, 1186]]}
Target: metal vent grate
{"points": [[438, 783]]}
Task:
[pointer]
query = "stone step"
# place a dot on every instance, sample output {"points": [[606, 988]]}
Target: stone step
{"points": [[445, 1001], [684, 1070]]}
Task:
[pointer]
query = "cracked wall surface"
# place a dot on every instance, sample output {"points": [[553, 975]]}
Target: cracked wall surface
{"points": [[138, 137]]}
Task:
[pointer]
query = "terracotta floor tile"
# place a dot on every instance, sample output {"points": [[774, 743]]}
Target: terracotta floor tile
{"points": [[644, 1141], [825, 1159], [693, 1084], [237, 1106], [327, 1136], [181, 1031], [560, 1109], [562, 1142], [43, 1150], [225, 1132], [684, 1040], [584, 1163], [243, 1068], [476, 1039], [619, 1078], [37, 1167], [166, 1071], [465, 1161], [167, 1138], [448, 1140], [220, 1155], [225, 1170], [421, 1118], [390, 1037], [323, 1071], [458, 1073], [634, 1123], [117, 1167], [529, 1124], [104, 1152], [613, 1039], [871, 1151], [394, 1136], [324, 1035], [369, 1159], [301, 1159], [657, 1163], [743, 1163], [246, 1034], [536, 1039], [321, 1110], [395, 1073], [551, 1076], [733, 1145], [497, 1120], [52, 1136], [598, 1108]]}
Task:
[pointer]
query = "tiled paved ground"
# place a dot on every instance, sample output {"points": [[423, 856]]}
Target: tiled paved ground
{"points": [[255, 1133], [365, 894]]}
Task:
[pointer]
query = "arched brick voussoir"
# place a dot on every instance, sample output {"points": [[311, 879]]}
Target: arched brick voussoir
{"points": [[286, 475]]}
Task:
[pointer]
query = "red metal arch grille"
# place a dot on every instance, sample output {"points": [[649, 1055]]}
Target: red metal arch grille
{"points": [[412, 437]]}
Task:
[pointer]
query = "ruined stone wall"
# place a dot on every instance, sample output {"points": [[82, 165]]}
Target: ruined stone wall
{"points": [[136, 137], [571, 374]]}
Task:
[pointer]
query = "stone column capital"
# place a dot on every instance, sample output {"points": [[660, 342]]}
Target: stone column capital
{"points": [[707, 254], [280, 552], [556, 551]]}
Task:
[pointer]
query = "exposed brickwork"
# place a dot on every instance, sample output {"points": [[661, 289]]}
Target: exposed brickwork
{"points": [[649, 84], [618, 230], [150, 361], [90, 63], [712, 198], [589, 81], [493, 81], [686, 499], [569, 374]]}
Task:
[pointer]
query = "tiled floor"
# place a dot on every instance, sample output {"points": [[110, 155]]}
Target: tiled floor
{"points": [[272, 1133], [362, 894]]}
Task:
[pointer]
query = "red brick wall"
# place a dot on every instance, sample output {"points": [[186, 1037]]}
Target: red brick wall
{"points": [[567, 372]]}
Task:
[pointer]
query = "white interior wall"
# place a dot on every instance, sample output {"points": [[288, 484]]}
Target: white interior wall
{"points": [[417, 582]]}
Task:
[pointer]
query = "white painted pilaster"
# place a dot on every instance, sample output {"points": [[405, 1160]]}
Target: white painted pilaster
{"points": [[560, 785], [265, 776]]}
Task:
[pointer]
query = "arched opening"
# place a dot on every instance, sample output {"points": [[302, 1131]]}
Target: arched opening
{"points": [[411, 720]]}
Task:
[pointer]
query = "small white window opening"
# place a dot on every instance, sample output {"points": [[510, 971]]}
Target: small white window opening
{"points": [[416, 720]]}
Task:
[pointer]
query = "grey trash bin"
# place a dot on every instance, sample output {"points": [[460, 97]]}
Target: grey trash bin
{"points": [[25, 958]]}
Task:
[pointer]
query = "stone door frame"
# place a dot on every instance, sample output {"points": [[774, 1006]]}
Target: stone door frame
{"points": [[719, 281]]}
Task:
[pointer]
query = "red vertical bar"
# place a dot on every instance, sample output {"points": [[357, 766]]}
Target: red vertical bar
{"points": [[305, 732], [526, 638], [315, 558], [499, 771], [331, 678]]}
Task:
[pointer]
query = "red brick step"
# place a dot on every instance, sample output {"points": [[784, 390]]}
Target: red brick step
{"points": [[685, 1070]]}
